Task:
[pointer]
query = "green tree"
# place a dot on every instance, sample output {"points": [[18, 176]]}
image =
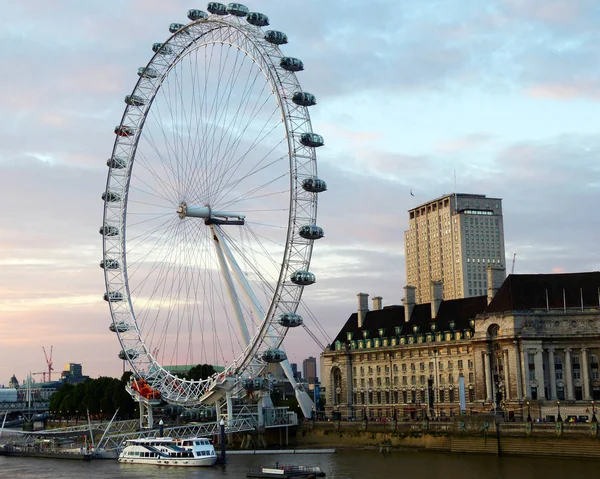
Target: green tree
{"points": [[201, 371]]}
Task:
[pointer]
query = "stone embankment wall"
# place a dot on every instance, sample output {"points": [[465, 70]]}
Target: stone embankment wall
{"points": [[468, 435]]}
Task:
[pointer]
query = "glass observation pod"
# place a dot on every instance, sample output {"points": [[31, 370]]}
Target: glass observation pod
{"points": [[116, 162], [113, 296], [303, 98], [275, 37], [135, 100], [119, 327], [109, 264], [311, 232], [109, 230], [303, 278], [273, 356], [312, 140], [314, 185], [290, 320], [291, 64], [162, 49], [111, 196], [123, 130], [237, 9], [129, 354], [257, 19], [147, 72], [175, 27], [256, 384], [217, 8], [195, 14]]}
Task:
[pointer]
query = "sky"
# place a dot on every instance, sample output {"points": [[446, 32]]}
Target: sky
{"points": [[499, 96]]}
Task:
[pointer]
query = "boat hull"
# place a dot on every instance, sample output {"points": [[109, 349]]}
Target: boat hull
{"points": [[182, 462]]}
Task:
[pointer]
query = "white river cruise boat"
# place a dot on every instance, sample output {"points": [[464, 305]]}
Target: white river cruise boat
{"points": [[167, 451]]}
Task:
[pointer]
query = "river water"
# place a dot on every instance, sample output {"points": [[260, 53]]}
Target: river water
{"points": [[344, 464]]}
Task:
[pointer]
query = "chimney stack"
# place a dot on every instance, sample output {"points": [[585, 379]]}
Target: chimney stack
{"points": [[363, 308], [437, 296], [495, 277], [409, 301], [377, 303]]}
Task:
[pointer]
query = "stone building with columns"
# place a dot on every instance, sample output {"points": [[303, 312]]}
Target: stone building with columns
{"points": [[531, 346]]}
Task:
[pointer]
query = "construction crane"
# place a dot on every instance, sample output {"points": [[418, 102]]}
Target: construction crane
{"points": [[512, 270], [42, 373], [49, 363]]}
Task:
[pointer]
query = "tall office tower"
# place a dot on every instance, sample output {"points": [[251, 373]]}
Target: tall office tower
{"points": [[309, 370], [454, 239]]}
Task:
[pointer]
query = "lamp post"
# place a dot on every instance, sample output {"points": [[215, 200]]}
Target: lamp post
{"points": [[558, 417], [594, 418], [528, 412]]}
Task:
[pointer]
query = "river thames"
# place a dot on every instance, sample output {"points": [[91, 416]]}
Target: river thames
{"points": [[345, 464]]}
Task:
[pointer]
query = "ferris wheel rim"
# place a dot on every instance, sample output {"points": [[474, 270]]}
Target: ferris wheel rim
{"points": [[144, 356]]}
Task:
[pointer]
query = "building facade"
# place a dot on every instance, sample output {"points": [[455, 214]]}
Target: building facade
{"points": [[309, 370], [453, 239], [530, 347]]}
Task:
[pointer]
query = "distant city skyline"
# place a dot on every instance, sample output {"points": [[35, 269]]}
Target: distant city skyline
{"points": [[414, 100]]}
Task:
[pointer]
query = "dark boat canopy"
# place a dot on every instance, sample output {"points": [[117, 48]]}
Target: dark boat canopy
{"points": [[217, 8], [314, 185], [124, 130], [303, 98], [109, 230], [311, 232], [273, 356], [258, 19], [113, 296], [116, 163], [109, 264], [303, 278], [162, 48], [290, 320], [147, 72], [275, 37], [237, 9], [119, 327], [195, 14], [291, 64], [312, 140], [111, 197]]}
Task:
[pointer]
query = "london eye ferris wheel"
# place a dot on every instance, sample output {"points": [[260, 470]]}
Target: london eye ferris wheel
{"points": [[210, 206]]}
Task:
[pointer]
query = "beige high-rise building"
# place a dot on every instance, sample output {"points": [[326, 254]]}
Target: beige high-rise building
{"points": [[454, 239]]}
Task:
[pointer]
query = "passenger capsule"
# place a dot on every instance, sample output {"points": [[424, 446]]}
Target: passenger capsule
{"points": [[111, 197], [275, 37], [291, 64], [311, 232], [237, 9], [113, 296], [162, 48], [273, 356], [195, 14], [303, 278], [314, 185], [130, 354], [119, 327], [135, 100], [303, 98], [147, 72], [217, 8], [109, 230], [254, 384], [116, 163], [109, 264], [123, 130], [290, 320], [174, 27], [312, 140], [258, 19]]}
